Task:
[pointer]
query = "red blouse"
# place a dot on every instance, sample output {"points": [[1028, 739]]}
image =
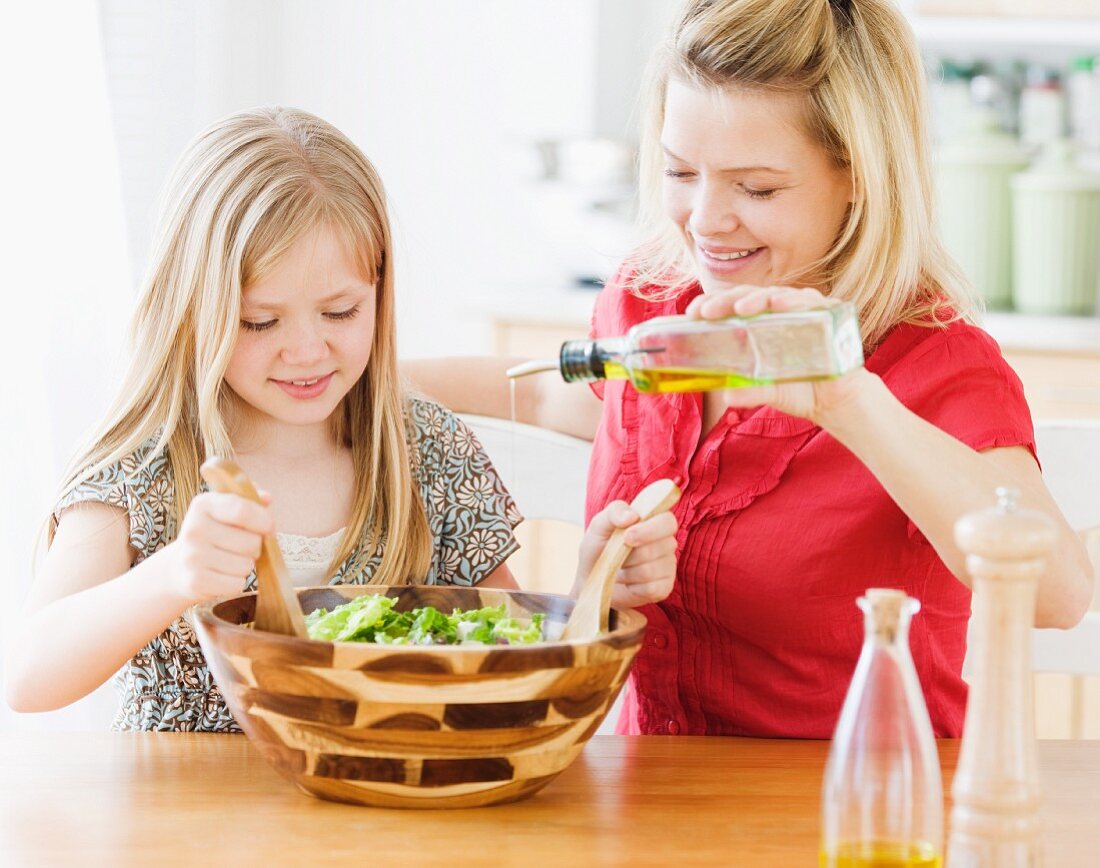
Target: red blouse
{"points": [[781, 528]]}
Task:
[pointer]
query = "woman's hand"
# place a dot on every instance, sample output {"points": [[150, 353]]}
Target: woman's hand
{"points": [[820, 400], [649, 571], [217, 546]]}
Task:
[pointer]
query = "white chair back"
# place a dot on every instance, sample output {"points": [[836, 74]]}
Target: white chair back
{"points": [[545, 471], [1069, 451]]}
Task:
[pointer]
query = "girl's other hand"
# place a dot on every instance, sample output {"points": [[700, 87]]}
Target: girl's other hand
{"points": [[818, 401], [218, 544], [649, 572]]}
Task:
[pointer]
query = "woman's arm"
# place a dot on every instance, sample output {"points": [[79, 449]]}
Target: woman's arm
{"points": [[478, 384], [935, 480]]}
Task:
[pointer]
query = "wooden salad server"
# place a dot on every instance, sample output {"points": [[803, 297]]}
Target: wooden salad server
{"points": [[277, 607], [590, 614]]}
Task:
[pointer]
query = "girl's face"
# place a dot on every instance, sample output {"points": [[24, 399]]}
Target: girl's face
{"points": [[306, 332], [757, 200]]}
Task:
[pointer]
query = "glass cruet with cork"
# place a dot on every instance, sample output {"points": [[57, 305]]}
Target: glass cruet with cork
{"points": [[995, 818], [680, 354], [882, 795]]}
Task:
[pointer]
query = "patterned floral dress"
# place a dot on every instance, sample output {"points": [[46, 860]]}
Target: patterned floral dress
{"points": [[167, 685]]}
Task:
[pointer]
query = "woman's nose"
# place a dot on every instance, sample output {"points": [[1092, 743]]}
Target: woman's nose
{"points": [[305, 345], [713, 211]]}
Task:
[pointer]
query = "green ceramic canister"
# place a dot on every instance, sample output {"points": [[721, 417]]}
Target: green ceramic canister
{"points": [[974, 203], [1056, 235]]}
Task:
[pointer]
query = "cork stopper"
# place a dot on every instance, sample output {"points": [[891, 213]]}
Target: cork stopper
{"points": [[887, 611], [1006, 532]]}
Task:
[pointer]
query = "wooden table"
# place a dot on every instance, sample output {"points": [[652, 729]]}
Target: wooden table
{"points": [[146, 799]]}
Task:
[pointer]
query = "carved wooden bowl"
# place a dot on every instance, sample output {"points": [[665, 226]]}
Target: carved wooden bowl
{"points": [[417, 726]]}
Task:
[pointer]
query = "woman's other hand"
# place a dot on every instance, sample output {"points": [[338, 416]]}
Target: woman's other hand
{"points": [[819, 401], [649, 572]]}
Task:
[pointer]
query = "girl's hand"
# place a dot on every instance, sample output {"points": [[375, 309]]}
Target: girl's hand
{"points": [[218, 544], [818, 401], [649, 571]]}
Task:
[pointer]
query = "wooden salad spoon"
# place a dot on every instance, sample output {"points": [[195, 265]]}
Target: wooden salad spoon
{"points": [[590, 614], [277, 606]]}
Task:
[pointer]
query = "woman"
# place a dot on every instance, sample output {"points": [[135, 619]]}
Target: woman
{"points": [[785, 162]]}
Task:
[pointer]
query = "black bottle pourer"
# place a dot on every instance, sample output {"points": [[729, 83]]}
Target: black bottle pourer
{"points": [[582, 361]]}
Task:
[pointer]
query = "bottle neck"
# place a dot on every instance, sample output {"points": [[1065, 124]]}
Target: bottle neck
{"points": [[585, 361]]}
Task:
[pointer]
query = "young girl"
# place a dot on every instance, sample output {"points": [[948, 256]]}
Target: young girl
{"points": [[785, 161], [265, 332]]}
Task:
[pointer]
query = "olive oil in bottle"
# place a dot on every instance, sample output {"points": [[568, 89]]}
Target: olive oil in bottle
{"points": [[882, 796], [678, 354], [881, 854]]}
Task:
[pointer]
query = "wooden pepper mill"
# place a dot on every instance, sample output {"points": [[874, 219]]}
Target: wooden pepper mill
{"points": [[995, 819]]}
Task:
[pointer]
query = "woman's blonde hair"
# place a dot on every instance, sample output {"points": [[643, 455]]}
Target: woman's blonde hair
{"points": [[244, 191], [857, 64]]}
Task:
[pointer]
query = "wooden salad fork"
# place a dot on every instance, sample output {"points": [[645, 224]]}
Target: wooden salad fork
{"points": [[277, 606], [590, 614]]}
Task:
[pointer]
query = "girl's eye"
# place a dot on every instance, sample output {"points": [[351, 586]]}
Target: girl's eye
{"points": [[258, 326], [759, 194], [344, 314], [677, 173]]}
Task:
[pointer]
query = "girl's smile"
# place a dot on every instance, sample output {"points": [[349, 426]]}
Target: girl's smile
{"points": [[305, 388]]}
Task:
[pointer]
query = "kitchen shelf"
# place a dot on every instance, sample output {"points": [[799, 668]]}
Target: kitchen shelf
{"points": [[973, 32]]}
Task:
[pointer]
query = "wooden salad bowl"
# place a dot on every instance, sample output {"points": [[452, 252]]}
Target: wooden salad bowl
{"points": [[417, 726]]}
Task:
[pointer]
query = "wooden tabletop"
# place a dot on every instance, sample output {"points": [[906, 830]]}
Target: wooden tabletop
{"points": [[140, 799]]}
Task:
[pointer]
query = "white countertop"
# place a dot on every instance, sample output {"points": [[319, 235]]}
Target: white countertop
{"points": [[572, 308]]}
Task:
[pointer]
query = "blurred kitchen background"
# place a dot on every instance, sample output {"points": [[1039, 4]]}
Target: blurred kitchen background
{"points": [[505, 132]]}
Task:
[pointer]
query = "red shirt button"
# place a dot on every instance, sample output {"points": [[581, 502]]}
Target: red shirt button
{"points": [[673, 728], [660, 640]]}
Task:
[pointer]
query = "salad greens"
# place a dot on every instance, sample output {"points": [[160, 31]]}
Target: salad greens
{"points": [[371, 618]]}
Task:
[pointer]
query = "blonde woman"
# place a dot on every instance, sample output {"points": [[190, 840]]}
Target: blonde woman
{"points": [[785, 162], [265, 332]]}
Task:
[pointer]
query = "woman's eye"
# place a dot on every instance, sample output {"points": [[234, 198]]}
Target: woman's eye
{"points": [[677, 173], [759, 194], [258, 326], [343, 314]]}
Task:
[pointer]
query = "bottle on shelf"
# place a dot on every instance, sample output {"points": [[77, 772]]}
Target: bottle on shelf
{"points": [[1042, 107], [1056, 231], [974, 201], [995, 818], [882, 795], [678, 354]]}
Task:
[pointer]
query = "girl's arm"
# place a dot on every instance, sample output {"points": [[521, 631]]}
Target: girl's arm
{"points": [[478, 384], [88, 612]]}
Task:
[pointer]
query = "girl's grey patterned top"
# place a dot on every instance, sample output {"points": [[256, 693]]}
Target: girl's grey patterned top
{"points": [[167, 685]]}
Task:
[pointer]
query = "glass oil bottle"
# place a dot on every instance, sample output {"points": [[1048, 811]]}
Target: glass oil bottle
{"points": [[882, 796], [678, 354]]}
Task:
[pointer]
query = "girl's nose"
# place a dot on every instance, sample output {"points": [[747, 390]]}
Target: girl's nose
{"points": [[305, 345], [713, 211]]}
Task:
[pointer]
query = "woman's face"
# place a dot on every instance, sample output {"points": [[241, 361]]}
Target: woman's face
{"points": [[757, 200], [306, 332]]}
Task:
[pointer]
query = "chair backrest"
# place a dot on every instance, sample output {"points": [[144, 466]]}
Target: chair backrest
{"points": [[545, 471], [1069, 451]]}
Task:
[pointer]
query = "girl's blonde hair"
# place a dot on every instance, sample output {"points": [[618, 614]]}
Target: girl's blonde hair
{"points": [[243, 192], [857, 64]]}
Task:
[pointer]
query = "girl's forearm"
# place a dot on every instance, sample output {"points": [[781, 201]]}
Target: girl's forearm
{"points": [[935, 479], [71, 646]]}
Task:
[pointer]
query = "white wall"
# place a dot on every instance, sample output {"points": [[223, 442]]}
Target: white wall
{"points": [[445, 96]]}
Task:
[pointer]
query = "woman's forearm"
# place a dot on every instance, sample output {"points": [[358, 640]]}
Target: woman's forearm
{"points": [[478, 384], [74, 644], [935, 479]]}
